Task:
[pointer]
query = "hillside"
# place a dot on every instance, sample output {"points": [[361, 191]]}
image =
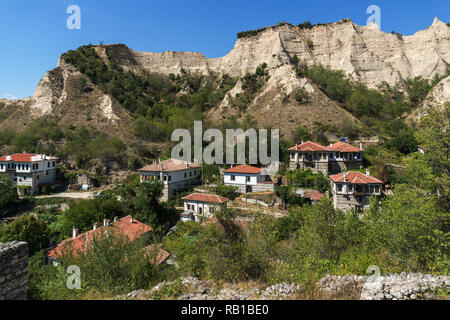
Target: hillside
{"points": [[273, 77]]}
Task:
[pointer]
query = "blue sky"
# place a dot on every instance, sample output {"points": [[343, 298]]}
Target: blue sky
{"points": [[33, 34]]}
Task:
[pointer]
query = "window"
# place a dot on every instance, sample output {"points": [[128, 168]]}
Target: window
{"points": [[366, 189], [190, 173], [1, 166], [170, 178], [331, 154], [28, 166], [339, 187], [189, 207], [233, 178], [371, 189], [247, 178], [185, 174], [48, 164], [38, 177], [377, 189], [315, 156], [292, 156], [350, 188], [165, 178], [324, 155]]}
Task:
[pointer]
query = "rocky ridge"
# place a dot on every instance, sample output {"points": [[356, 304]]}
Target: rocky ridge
{"points": [[389, 287]]}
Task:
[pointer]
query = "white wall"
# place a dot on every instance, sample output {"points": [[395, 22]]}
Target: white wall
{"points": [[176, 176], [240, 178]]}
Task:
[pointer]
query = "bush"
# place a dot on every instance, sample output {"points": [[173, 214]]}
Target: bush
{"points": [[301, 96], [27, 228], [8, 195], [229, 192]]}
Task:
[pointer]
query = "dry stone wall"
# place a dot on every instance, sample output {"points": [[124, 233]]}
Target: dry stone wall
{"points": [[13, 270]]}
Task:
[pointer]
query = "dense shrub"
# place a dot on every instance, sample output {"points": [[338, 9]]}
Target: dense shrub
{"points": [[27, 228]]}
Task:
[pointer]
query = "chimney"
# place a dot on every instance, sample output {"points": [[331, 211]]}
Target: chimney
{"points": [[74, 232], [187, 164], [303, 142], [131, 219], [367, 172], [345, 176], [331, 145], [360, 145], [116, 219], [296, 146], [95, 226], [105, 222]]}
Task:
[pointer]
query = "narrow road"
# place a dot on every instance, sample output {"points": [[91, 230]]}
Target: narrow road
{"points": [[72, 195]]}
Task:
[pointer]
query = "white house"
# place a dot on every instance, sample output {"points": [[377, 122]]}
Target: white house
{"points": [[177, 175], [248, 179], [31, 171], [352, 190], [199, 205]]}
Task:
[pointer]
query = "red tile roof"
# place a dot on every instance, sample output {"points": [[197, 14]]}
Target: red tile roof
{"points": [[355, 178], [309, 146], [160, 257], [314, 195], [338, 146], [132, 230], [244, 168], [344, 147], [24, 157], [19, 157], [202, 197], [170, 165]]}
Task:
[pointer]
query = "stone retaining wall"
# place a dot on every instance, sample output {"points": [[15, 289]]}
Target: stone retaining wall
{"points": [[13, 270], [390, 287]]}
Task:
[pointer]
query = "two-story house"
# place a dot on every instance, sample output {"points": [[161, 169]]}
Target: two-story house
{"points": [[344, 156], [201, 205], [176, 175], [309, 155], [31, 171], [248, 179], [334, 158], [352, 190]]}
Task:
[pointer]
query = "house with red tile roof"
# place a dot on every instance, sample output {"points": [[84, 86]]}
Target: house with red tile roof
{"points": [[29, 172], [156, 254], [176, 175], [352, 190], [248, 179], [334, 158], [311, 196], [128, 227], [198, 206]]}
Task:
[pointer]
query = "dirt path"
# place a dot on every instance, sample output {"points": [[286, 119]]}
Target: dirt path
{"points": [[71, 195]]}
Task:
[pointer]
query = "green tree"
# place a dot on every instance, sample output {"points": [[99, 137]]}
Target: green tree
{"points": [[8, 196], [27, 228]]}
